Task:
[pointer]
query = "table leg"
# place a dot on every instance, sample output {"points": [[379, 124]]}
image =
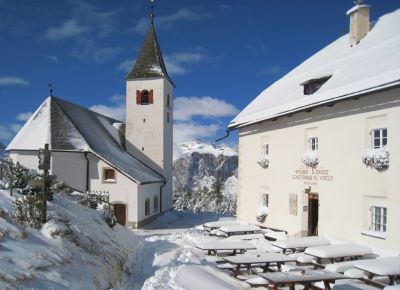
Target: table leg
{"points": [[391, 280], [209, 252], [291, 286], [234, 252], [237, 271], [265, 270], [279, 266], [307, 286], [327, 285]]}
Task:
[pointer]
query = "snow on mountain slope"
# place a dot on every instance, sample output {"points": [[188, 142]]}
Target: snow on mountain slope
{"points": [[205, 178], [75, 249], [205, 148]]}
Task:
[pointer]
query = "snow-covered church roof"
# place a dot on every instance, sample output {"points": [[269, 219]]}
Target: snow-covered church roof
{"points": [[69, 127], [371, 65]]}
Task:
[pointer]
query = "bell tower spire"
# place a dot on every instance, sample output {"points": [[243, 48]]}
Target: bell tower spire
{"points": [[149, 121]]}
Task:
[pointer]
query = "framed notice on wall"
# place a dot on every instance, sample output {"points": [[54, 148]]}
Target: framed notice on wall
{"points": [[293, 204]]}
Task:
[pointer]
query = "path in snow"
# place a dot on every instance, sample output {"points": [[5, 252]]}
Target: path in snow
{"points": [[169, 261]]}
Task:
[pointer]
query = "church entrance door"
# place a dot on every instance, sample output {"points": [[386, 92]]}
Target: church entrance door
{"points": [[120, 213]]}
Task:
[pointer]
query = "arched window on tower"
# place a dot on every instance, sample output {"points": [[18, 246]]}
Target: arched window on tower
{"points": [[144, 97], [168, 101]]}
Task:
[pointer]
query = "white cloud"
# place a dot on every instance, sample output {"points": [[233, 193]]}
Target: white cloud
{"points": [[125, 65], [191, 131], [188, 107], [67, 29], [5, 133], [53, 58], [115, 111], [168, 21], [176, 63], [24, 116], [13, 81], [87, 49]]}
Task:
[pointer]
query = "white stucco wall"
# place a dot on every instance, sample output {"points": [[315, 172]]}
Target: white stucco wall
{"points": [[148, 191], [346, 189]]}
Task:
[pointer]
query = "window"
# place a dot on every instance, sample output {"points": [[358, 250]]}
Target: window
{"points": [[378, 219], [155, 204], [168, 117], [313, 144], [147, 206], [168, 101], [144, 97], [108, 175], [265, 199], [265, 149], [313, 85], [379, 138]]}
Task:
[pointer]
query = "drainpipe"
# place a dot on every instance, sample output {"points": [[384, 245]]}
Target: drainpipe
{"points": [[161, 187], [87, 171], [222, 138]]}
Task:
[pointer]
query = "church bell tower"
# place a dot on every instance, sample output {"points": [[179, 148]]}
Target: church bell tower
{"points": [[149, 123]]}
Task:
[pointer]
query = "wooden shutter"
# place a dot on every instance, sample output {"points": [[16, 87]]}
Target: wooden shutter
{"points": [[151, 97], [138, 97]]}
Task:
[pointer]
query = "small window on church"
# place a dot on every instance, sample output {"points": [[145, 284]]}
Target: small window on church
{"points": [[144, 97], [155, 204], [168, 101], [147, 206], [108, 175], [168, 117]]}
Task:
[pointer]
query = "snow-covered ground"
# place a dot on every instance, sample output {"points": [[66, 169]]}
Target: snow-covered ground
{"points": [[170, 261], [75, 249]]}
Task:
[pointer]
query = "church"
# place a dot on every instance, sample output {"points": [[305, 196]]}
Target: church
{"points": [[131, 160], [320, 147]]}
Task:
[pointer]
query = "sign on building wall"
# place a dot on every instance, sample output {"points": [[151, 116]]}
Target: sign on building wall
{"points": [[312, 176], [293, 204]]}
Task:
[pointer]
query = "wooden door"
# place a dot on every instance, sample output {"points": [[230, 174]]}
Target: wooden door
{"points": [[120, 213], [313, 206]]}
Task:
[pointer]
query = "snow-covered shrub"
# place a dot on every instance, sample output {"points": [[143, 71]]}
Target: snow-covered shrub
{"points": [[263, 161], [377, 158], [310, 159], [261, 214], [28, 211]]}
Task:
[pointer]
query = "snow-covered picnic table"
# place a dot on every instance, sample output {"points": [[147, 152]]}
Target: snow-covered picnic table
{"points": [[262, 260], [339, 251], [239, 229], [225, 246], [215, 225], [305, 278], [299, 244], [387, 266]]}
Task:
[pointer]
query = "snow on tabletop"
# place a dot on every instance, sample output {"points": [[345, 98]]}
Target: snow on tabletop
{"points": [[355, 273], [75, 249], [222, 245], [340, 250], [372, 64], [204, 148], [239, 228], [340, 267], [301, 242], [246, 237], [218, 224], [392, 287], [381, 266]]}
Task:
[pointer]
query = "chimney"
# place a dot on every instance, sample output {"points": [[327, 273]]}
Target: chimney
{"points": [[359, 22]]}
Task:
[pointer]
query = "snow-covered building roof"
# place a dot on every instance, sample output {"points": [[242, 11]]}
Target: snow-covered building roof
{"points": [[69, 127], [150, 62], [371, 65]]}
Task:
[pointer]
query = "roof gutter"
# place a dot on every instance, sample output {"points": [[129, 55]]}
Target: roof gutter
{"points": [[224, 137]]}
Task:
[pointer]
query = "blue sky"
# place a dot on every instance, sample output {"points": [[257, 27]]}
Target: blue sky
{"points": [[220, 53]]}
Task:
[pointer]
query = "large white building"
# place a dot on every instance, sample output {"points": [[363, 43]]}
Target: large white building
{"points": [[321, 146], [91, 152]]}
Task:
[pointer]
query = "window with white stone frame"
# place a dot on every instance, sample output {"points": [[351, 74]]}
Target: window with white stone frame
{"points": [[313, 144], [109, 175], [265, 199], [155, 203], [265, 150], [378, 219], [379, 138], [147, 206]]}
